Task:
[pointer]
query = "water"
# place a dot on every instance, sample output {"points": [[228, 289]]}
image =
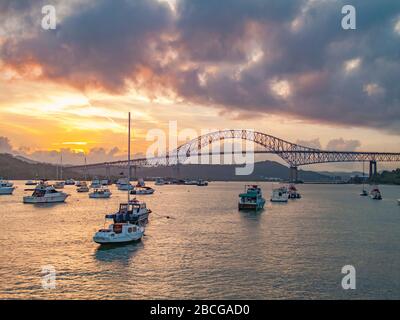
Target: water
{"points": [[207, 250]]}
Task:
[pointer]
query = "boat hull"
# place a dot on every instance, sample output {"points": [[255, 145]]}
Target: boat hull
{"points": [[51, 199], [251, 206], [100, 196], [6, 190]]}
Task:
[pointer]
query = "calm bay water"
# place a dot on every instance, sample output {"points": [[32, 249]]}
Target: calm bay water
{"points": [[207, 249]]}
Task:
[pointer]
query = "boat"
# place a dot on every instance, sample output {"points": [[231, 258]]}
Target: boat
{"points": [[130, 220], [142, 190], [375, 193], [44, 193], [95, 184], [251, 198], [202, 183], [6, 183], [124, 185], [78, 183], [191, 182], [134, 211], [280, 195], [293, 193], [70, 182], [140, 183], [59, 185], [6, 189], [119, 233], [160, 182], [100, 193], [398, 202], [104, 182], [82, 187], [31, 183]]}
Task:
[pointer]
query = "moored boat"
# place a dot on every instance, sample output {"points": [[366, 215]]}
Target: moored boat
{"points": [[375, 193], [6, 189], [31, 183], [82, 187], [44, 193], [95, 184], [6, 183], [70, 182], [202, 183], [100, 193], [124, 185], [160, 182], [142, 190], [119, 233], [293, 193], [280, 195], [59, 185], [251, 199]]}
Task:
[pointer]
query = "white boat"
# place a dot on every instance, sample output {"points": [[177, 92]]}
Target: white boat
{"points": [[70, 182], [78, 183], [118, 233], [104, 182], [280, 195], [100, 193], [82, 187], [43, 193], [293, 193], [6, 189], [160, 182], [6, 183], [191, 182], [95, 184], [142, 190], [202, 183], [59, 185], [31, 183], [375, 193], [124, 185]]}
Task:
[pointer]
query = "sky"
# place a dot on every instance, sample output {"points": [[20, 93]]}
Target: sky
{"points": [[286, 68]]}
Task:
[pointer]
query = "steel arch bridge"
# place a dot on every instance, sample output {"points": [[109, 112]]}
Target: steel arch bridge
{"points": [[293, 154]]}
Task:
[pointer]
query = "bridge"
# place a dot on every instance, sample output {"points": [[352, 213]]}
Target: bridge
{"points": [[293, 154]]}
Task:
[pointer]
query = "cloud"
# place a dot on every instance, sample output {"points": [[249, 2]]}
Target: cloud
{"points": [[343, 145], [241, 56], [5, 145]]}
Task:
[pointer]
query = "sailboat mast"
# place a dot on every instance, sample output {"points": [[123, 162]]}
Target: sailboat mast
{"points": [[129, 155]]}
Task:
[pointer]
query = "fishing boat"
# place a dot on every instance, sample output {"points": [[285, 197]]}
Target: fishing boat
{"points": [[59, 185], [119, 233], [191, 182], [251, 198], [95, 184], [44, 193], [293, 193], [280, 195], [31, 183], [202, 183], [100, 193], [82, 187], [6, 189], [104, 182], [130, 220], [375, 193], [142, 190]]}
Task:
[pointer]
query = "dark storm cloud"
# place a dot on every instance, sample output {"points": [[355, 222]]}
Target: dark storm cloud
{"points": [[251, 56]]}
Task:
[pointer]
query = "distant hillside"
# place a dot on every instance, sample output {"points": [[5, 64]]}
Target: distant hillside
{"points": [[12, 167]]}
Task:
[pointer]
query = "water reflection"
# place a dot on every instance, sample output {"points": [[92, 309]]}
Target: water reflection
{"points": [[118, 252]]}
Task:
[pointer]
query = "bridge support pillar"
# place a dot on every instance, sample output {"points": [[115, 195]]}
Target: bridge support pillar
{"points": [[293, 177], [372, 169], [108, 170]]}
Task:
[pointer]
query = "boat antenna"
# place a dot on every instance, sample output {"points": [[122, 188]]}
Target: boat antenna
{"points": [[129, 155]]}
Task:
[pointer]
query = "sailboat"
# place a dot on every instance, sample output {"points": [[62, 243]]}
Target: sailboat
{"points": [[129, 222], [364, 193]]}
